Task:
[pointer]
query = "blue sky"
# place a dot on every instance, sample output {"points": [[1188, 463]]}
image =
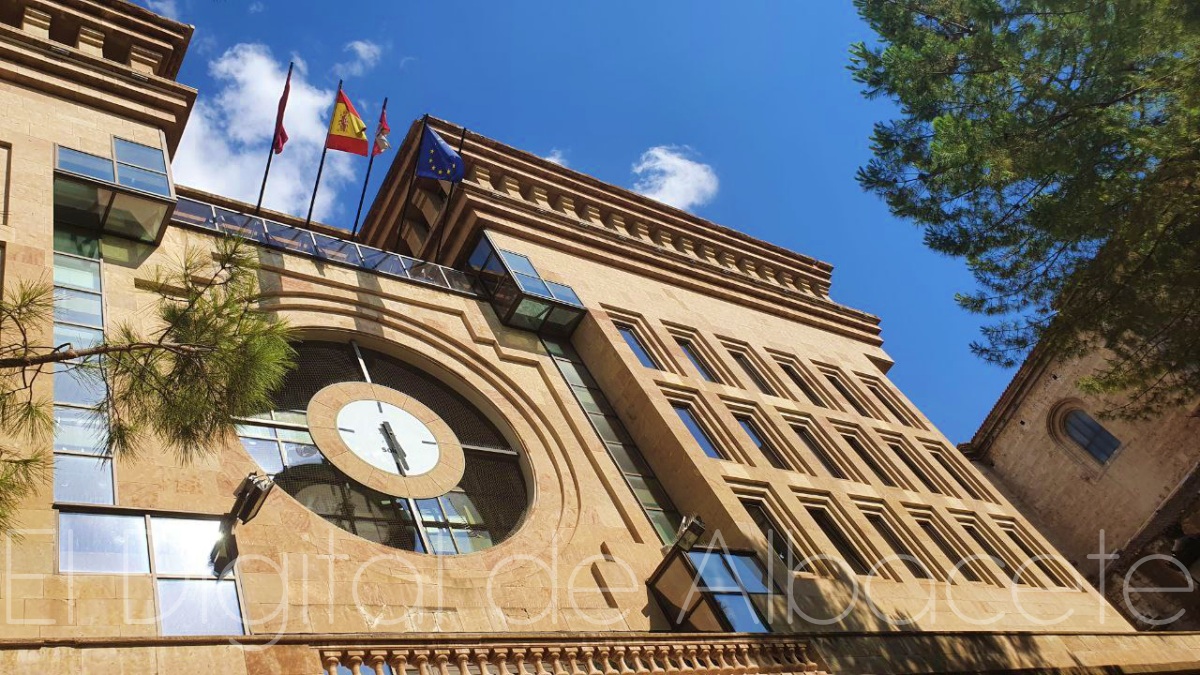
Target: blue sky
{"points": [[744, 113]]}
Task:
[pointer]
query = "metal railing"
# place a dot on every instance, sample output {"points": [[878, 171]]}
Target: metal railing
{"points": [[275, 235]]}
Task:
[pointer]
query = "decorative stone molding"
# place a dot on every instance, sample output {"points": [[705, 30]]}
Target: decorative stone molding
{"points": [[635, 654], [481, 176], [91, 41], [565, 204], [511, 186], [616, 223], [144, 61], [36, 23], [540, 196], [591, 215], [640, 229]]}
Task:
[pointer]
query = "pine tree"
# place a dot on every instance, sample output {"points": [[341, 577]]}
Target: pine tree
{"points": [[1055, 145], [209, 357]]}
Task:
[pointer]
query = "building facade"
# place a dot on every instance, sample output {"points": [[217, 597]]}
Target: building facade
{"points": [[1117, 497], [538, 424]]}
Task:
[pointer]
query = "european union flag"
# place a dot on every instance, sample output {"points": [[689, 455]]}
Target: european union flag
{"points": [[438, 160]]}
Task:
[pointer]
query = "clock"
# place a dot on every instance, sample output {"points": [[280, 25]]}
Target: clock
{"points": [[387, 437], [385, 440]]}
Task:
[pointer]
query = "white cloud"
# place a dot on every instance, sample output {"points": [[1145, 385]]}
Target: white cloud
{"points": [[669, 174], [224, 148], [256, 7], [168, 8], [366, 55], [557, 156]]}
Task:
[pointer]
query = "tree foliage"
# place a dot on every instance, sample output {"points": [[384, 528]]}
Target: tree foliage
{"points": [[1055, 145], [176, 378]]}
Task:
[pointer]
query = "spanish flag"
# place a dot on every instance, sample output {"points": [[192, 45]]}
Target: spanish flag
{"points": [[347, 132]]}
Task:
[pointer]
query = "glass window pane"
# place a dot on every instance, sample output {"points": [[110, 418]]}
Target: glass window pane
{"points": [[698, 433], [610, 428], [469, 541], [76, 385], [291, 417], [291, 238], [532, 285], [529, 314], [628, 459], [92, 542], [79, 204], [337, 250], [689, 351], [666, 523], [749, 572], [265, 452], [145, 156], [564, 293], [519, 263], [295, 436], [480, 255], [460, 509], [714, 575], [194, 213], [441, 541], [85, 164], [74, 241], [740, 613], [77, 336], [382, 261], [199, 607], [237, 224], [182, 546], [78, 430], [648, 491], [78, 307], [71, 271], [430, 511], [635, 344], [296, 454], [83, 480], [141, 179], [136, 217], [255, 431], [592, 400]]}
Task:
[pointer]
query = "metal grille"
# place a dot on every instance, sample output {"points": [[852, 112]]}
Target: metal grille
{"points": [[467, 423], [318, 365], [495, 485], [356, 508]]}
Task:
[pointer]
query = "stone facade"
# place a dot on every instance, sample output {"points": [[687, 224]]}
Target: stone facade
{"points": [[1137, 503], [812, 443]]}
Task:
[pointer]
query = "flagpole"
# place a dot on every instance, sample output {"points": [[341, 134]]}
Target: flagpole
{"points": [[412, 179], [442, 217], [321, 166], [370, 163], [271, 151]]}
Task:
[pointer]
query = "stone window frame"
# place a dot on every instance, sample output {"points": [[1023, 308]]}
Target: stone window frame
{"points": [[705, 353], [832, 452], [853, 534], [898, 408], [848, 392], [718, 434], [912, 452], [775, 441], [958, 542], [801, 377], [1052, 572], [752, 367], [647, 336], [799, 543], [879, 464], [870, 506], [1056, 425], [963, 477]]}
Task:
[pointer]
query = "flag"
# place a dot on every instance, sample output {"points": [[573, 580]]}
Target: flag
{"points": [[438, 160], [281, 136], [347, 132], [381, 134]]}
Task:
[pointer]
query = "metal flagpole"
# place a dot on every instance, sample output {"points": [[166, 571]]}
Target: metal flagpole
{"points": [[370, 163], [412, 179], [321, 166], [271, 151], [442, 217]]}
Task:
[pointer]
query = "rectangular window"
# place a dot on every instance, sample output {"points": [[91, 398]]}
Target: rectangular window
{"points": [[1037, 559], [961, 564], [845, 549], [777, 542], [884, 397], [737, 584], [844, 390], [102, 543], [765, 448], [635, 344], [744, 363], [903, 455], [141, 167], [693, 425], [802, 384], [815, 446], [914, 565], [689, 350], [957, 475], [868, 459], [973, 531]]}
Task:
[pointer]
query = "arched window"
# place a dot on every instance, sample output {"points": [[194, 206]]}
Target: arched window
{"points": [[1090, 435]]}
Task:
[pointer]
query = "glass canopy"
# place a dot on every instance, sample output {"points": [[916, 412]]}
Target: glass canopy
{"points": [[521, 297]]}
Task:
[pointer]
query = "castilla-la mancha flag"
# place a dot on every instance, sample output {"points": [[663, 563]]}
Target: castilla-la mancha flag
{"points": [[347, 132]]}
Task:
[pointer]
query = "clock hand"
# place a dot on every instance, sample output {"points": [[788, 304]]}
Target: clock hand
{"points": [[393, 446]]}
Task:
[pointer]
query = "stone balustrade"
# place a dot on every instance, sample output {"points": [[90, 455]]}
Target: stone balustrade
{"points": [[566, 655]]}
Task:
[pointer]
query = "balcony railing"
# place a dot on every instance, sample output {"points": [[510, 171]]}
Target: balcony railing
{"points": [[271, 234], [638, 654]]}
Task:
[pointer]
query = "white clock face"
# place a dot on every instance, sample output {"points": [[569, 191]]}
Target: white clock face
{"points": [[388, 438]]}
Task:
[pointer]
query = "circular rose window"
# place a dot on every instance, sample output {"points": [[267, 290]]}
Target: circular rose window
{"points": [[387, 452]]}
